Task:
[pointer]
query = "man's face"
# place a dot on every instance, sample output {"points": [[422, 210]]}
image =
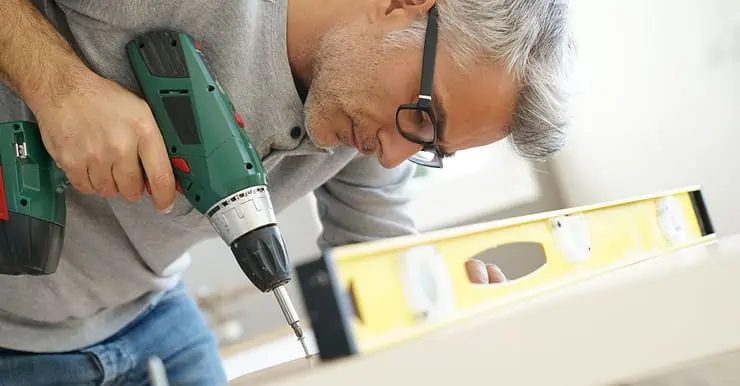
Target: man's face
{"points": [[357, 87]]}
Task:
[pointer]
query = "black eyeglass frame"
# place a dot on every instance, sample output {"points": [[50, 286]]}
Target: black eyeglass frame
{"points": [[424, 102]]}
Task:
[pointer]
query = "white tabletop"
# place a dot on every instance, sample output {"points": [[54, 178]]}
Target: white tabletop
{"points": [[636, 321]]}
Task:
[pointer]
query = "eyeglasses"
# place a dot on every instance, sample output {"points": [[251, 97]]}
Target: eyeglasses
{"points": [[416, 121]]}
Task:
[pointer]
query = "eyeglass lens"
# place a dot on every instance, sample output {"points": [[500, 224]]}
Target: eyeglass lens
{"points": [[416, 125]]}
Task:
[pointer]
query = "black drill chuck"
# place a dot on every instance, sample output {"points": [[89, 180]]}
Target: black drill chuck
{"points": [[263, 256]]}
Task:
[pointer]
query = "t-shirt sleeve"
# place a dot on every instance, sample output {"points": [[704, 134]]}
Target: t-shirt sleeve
{"points": [[365, 201]]}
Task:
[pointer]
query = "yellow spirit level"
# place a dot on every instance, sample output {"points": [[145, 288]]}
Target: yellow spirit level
{"points": [[373, 295]]}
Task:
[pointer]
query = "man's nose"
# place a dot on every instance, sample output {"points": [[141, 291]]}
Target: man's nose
{"points": [[395, 148]]}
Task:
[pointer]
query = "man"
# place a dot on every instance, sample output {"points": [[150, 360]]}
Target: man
{"points": [[318, 84]]}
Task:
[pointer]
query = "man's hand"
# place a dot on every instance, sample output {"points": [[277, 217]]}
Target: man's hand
{"points": [[98, 133], [482, 273]]}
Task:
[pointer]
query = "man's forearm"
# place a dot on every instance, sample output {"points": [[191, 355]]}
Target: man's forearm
{"points": [[35, 60]]}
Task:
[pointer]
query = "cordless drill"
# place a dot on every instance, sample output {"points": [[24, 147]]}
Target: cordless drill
{"points": [[215, 166]]}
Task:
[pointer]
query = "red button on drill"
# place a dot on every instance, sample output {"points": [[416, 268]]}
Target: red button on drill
{"points": [[238, 120], [181, 165]]}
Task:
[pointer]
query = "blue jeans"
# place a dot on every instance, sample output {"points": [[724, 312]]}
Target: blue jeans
{"points": [[172, 328]]}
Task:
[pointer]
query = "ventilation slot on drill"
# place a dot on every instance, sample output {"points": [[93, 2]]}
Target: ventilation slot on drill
{"points": [[171, 92], [180, 113]]}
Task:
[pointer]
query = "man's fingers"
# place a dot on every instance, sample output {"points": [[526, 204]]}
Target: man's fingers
{"points": [[157, 169], [482, 273], [494, 274], [75, 171], [80, 180], [476, 270], [128, 176], [101, 177]]}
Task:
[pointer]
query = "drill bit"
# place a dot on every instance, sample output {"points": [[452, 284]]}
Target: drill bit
{"points": [[291, 316], [301, 338]]}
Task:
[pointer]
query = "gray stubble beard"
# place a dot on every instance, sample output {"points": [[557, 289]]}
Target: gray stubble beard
{"points": [[331, 58]]}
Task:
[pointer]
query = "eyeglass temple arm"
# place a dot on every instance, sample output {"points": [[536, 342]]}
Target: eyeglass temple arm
{"points": [[430, 52]]}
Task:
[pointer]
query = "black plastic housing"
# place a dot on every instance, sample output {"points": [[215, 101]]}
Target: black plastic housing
{"points": [[263, 257], [29, 246]]}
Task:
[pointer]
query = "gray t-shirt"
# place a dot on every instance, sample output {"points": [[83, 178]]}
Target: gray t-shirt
{"points": [[118, 255]]}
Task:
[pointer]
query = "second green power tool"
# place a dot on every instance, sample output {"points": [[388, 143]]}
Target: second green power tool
{"points": [[215, 165]]}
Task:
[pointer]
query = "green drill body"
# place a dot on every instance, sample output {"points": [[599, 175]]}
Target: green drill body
{"points": [[197, 121], [34, 185], [220, 157]]}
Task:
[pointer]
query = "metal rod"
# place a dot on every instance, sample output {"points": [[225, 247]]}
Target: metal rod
{"points": [[291, 316]]}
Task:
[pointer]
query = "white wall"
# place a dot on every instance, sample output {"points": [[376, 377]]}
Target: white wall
{"points": [[475, 183], [660, 103]]}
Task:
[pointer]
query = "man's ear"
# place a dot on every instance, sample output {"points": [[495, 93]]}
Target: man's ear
{"points": [[397, 13]]}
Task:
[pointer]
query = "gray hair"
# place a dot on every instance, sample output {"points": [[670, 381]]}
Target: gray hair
{"points": [[531, 39]]}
